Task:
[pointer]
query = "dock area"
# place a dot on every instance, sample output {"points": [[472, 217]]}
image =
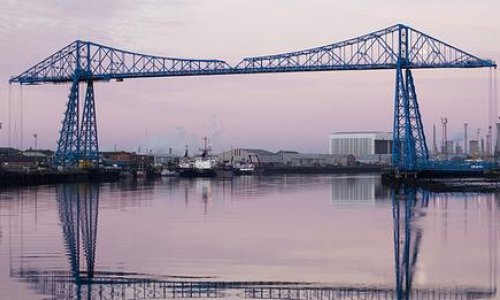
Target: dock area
{"points": [[54, 176]]}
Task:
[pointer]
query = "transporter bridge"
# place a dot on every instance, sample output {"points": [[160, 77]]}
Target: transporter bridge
{"points": [[399, 47]]}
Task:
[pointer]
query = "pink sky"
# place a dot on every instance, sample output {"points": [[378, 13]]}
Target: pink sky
{"points": [[278, 111]]}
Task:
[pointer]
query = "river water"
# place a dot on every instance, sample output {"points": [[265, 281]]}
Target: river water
{"points": [[257, 237]]}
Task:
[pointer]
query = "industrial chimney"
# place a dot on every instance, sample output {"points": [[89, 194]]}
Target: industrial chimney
{"points": [[466, 150], [489, 138], [434, 144], [444, 121], [497, 145]]}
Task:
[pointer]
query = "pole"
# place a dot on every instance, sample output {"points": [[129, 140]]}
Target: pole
{"points": [[10, 115], [35, 136], [444, 121], [466, 125]]}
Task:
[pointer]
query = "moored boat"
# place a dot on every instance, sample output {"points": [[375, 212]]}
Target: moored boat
{"points": [[246, 168], [203, 165]]}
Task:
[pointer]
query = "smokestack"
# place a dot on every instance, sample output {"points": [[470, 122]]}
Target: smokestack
{"points": [[488, 141], [434, 144], [497, 145], [466, 150], [444, 121]]}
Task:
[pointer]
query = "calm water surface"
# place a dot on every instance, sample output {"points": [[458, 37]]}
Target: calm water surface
{"points": [[279, 237]]}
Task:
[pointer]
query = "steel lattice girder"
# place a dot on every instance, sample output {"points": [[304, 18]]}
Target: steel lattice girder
{"points": [[68, 146], [89, 145], [376, 50], [410, 150]]}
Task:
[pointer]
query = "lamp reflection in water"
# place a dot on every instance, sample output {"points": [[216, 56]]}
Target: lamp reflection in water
{"points": [[78, 206]]}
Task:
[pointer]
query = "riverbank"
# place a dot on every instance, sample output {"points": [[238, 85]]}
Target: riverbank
{"points": [[324, 170], [446, 180], [52, 176]]}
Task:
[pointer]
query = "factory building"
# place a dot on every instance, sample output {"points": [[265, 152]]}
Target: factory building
{"points": [[497, 143], [366, 146], [264, 158], [474, 149], [361, 143], [249, 155]]}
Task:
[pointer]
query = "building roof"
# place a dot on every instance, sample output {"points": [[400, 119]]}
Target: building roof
{"points": [[9, 151], [257, 151], [39, 152], [361, 132], [115, 152], [18, 159], [377, 135], [287, 152]]}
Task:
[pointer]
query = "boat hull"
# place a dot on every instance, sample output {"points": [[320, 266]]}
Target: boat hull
{"points": [[193, 173]]}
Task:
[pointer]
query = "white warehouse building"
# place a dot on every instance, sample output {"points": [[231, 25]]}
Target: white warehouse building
{"points": [[361, 144]]}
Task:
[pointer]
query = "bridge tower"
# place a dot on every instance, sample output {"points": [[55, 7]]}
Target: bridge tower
{"points": [[78, 136], [409, 148], [90, 143]]}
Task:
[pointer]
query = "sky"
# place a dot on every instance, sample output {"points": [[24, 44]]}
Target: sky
{"points": [[295, 111]]}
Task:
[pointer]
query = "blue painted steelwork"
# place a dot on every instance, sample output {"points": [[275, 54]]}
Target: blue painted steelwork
{"points": [[90, 144], [409, 148], [376, 50], [68, 145], [398, 47]]}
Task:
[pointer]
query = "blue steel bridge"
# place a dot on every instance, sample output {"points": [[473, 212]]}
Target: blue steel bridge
{"points": [[399, 47]]}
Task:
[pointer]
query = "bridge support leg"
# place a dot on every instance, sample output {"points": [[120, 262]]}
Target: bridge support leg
{"points": [[410, 152], [68, 146], [90, 144]]}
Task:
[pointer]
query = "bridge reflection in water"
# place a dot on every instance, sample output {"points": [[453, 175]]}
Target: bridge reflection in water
{"points": [[78, 207]]}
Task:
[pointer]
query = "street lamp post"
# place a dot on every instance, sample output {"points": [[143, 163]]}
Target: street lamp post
{"points": [[35, 136]]}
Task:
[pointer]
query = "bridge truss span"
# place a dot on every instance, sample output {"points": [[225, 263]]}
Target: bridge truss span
{"points": [[381, 49], [398, 47]]}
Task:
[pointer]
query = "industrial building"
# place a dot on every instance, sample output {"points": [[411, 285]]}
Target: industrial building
{"points": [[249, 155], [266, 158], [127, 160], [366, 146]]}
